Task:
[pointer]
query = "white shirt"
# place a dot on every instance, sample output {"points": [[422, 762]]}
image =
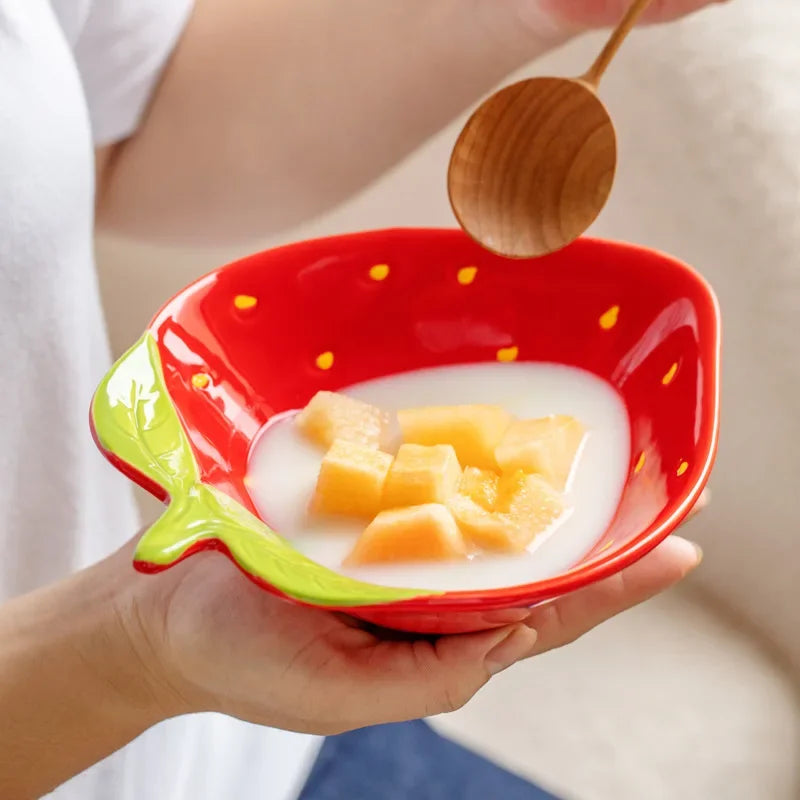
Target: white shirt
{"points": [[75, 74]]}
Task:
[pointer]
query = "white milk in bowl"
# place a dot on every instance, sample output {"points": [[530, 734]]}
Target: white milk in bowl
{"points": [[284, 465]]}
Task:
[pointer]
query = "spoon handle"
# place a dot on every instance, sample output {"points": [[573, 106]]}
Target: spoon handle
{"points": [[625, 26]]}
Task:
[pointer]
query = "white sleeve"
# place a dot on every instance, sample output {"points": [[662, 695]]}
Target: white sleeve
{"points": [[121, 51]]}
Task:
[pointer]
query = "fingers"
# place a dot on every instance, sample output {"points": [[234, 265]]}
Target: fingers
{"points": [[498, 617], [566, 619], [409, 680], [577, 15], [667, 10]]}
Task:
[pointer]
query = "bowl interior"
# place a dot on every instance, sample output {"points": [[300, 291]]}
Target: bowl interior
{"points": [[262, 335]]}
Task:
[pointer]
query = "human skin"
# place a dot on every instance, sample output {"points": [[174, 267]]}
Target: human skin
{"points": [[88, 664], [273, 111]]}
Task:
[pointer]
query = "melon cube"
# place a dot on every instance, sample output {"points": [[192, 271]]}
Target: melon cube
{"points": [[480, 485], [528, 500], [415, 533], [526, 506], [484, 529], [330, 416], [545, 446], [422, 475], [474, 431], [351, 480]]}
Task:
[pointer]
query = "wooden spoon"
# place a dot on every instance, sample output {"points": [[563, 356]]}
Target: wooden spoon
{"points": [[535, 163]]}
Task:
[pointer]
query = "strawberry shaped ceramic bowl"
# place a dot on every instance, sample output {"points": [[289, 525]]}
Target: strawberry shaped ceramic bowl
{"points": [[253, 340]]}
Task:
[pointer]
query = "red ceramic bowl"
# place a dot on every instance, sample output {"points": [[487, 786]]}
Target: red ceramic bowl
{"points": [[179, 412]]}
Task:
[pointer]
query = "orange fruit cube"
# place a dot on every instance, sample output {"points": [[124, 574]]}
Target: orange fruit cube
{"points": [[421, 475], [474, 431], [330, 416], [486, 530], [528, 500], [546, 446], [351, 480], [480, 485], [526, 505], [415, 533]]}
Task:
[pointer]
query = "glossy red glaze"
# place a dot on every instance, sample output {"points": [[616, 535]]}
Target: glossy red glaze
{"points": [[317, 297]]}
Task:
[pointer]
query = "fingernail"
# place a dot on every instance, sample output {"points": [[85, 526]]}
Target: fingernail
{"points": [[517, 645], [692, 549]]}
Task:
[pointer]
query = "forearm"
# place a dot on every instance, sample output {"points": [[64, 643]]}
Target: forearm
{"points": [[273, 110], [72, 689]]}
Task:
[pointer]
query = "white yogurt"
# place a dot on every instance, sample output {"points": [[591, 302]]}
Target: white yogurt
{"points": [[284, 465]]}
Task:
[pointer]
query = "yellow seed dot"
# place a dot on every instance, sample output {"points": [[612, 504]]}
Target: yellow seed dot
{"points": [[325, 360], [508, 353], [244, 301], [466, 275], [606, 546], [667, 379], [609, 319], [682, 468], [200, 380], [379, 272], [640, 463]]}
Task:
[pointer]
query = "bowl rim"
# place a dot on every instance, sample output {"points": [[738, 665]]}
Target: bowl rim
{"points": [[564, 582]]}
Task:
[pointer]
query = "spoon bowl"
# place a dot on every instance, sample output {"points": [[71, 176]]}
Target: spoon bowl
{"points": [[534, 165]]}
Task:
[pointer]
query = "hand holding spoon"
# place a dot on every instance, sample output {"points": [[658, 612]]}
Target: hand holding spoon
{"points": [[535, 163]]}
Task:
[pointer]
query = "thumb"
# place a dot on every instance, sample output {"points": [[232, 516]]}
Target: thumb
{"points": [[421, 678], [497, 649]]}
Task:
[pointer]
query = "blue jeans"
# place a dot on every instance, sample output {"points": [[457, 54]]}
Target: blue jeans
{"points": [[409, 761]]}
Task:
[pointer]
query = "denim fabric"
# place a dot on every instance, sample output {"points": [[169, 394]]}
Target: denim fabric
{"points": [[409, 761]]}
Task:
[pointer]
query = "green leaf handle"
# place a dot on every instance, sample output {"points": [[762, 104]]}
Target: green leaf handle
{"points": [[134, 418], [206, 513]]}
